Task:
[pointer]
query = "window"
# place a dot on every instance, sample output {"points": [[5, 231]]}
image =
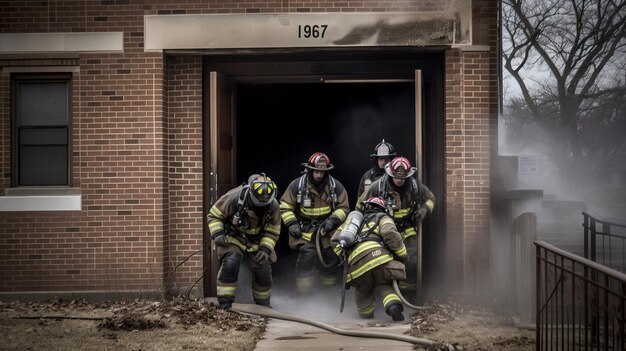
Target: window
{"points": [[41, 130]]}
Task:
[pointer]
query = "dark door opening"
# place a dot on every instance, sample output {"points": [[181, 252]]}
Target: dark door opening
{"points": [[280, 125], [285, 107]]}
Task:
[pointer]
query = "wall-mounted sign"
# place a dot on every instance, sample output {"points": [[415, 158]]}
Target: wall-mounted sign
{"points": [[232, 31], [529, 165]]}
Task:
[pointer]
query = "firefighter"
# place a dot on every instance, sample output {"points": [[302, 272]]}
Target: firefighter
{"points": [[375, 257], [245, 222], [383, 152], [409, 202], [314, 204]]}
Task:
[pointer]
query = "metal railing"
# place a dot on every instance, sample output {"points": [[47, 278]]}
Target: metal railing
{"points": [[605, 241], [580, 303]]}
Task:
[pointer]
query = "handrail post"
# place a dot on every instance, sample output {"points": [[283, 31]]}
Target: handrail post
{"points": [[592, 255], [623, 312], [538, 298], [586, 234]]}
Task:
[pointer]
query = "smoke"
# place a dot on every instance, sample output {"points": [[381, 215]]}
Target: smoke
{"points": [[536, 196], [323, 303]]}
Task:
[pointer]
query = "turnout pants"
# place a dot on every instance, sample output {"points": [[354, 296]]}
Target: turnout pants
{"points": [[306, 265], [409, 287], [377, 281], [230, 260]]}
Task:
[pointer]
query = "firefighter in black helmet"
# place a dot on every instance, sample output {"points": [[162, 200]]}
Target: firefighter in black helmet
{"points": [[375, 258], [245, 222], [314, 204], [383, 152], [409, 202]]}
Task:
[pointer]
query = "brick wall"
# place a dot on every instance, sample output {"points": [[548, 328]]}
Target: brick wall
{"points": [[137, 156], [184, 125], [116, 242], [471, 127]]}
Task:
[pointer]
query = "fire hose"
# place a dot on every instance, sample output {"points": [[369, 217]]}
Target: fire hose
{"points": [[404, 301], [318, 248], [268, 312]]}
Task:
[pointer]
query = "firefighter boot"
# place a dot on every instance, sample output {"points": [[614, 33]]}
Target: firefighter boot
{"points": [[225, 304], [395, 311]]}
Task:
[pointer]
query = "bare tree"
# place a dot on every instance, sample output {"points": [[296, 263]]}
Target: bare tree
{"points": [[568, 58]]}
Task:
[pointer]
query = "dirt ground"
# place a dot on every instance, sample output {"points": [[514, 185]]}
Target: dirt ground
{"points": [[469, 327], [130, 325], [190, 325]]}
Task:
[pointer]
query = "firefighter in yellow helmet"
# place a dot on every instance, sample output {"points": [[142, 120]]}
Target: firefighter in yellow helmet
{"points": [[245, 223], [314, 204], [409, 202], [383, 152], [375, 254]]}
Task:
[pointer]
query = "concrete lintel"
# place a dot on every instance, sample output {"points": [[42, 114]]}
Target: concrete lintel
{"points": [[13, 43], [470, 48], [298, 30]]}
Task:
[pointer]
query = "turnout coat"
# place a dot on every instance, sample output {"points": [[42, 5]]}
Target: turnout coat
{"points": [[258, 226], [381, 244]]}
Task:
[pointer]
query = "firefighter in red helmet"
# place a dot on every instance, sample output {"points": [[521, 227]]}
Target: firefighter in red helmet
{"points": [[245, 223], [314, 204], [383, 152], [409, 202], [375, 256]]}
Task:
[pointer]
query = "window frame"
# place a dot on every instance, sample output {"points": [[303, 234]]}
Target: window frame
{"points": [[16, 80]]}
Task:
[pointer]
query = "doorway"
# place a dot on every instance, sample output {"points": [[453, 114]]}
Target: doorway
{"points": [[285, 107], [280, 125]]}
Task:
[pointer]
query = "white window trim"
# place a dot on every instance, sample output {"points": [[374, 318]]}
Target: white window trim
{"points": [[32, 203]]}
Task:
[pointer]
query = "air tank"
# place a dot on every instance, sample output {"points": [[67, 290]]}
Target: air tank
{"points": [[348, 235]]}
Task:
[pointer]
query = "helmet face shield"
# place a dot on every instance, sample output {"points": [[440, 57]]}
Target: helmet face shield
{"points": [[262, 188]]}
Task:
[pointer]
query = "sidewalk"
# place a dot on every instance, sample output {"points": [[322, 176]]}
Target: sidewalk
{"points": [[322, 306], [282, 335]]}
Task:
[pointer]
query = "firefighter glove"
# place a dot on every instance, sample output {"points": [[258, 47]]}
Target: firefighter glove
{"points": [[262, 256], [328, 225], [221, 240], [421, 214], [295, 231]]}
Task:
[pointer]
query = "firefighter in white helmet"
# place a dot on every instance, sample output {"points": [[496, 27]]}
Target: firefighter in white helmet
{"points": [[245, 223], [409, 202], [383, 152], [375, 254], [314, 204]]}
